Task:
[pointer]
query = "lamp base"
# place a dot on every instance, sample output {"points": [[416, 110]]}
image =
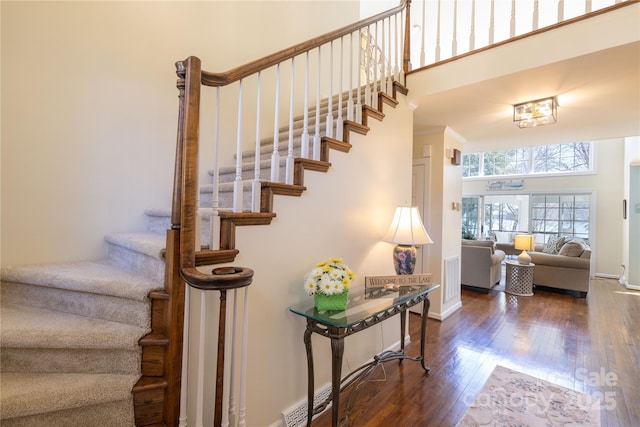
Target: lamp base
{"points": [[524, 258], [404, 259]]}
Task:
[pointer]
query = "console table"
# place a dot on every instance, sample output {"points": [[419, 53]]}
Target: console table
{"points": [[366, 307]]}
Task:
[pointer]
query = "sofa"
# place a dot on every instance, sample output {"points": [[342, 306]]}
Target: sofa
{"points": [[481, 264], [563, 263]]}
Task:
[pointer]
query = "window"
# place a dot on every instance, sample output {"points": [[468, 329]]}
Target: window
{"points": [[506, 162], [470, 217], [566, 215], [471, 164], [574, 157], [545, 159]]}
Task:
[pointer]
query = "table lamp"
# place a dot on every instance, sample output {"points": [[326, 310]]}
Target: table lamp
{"points": [[524, 243], [406, 231]]}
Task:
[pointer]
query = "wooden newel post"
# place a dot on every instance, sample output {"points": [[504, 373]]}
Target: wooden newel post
{"points": [[406, 59]]}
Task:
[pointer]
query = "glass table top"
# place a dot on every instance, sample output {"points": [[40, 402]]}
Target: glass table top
{"points": [[363, 303]]}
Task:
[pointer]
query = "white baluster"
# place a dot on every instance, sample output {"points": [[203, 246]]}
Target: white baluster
{"points": [[383, 54], [255, 185], [560, 10], [237, 183], [374, 83], [350, 105], [289, 165], [243, 361], [492, 28], [227, 380], [182, 420], [472, 34], [397, 36], [339, 121], [367, 67], [304, 140], [454, 40], [401, 49], [536, 13], [201, 354], [359, 92], [214, 243], [329, 126], [230, 359], [438, 34], [389, 84], [316, 136], [275, 156], [423, 32], [512, 27]]}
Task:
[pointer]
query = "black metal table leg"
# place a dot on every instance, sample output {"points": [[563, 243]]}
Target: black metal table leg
{"points": [[337, 350], [310, 374], [403, 328], [423, 329]]}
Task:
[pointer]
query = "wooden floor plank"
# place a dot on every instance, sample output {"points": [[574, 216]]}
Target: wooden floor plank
{"points": [[570, 341]]}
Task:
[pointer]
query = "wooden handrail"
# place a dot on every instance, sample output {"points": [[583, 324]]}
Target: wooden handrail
{"points": [[235, 74]]}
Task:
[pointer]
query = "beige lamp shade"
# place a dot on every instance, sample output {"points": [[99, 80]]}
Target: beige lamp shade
{"points": [[524, 243], [407, 228]]}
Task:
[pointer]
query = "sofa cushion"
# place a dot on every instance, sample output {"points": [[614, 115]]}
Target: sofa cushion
{"points": [[503, 237], [572, 248], [483, 243], [549, 260], [553, 245]]}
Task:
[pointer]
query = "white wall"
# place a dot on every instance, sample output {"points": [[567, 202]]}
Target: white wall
{"points": [[344, 213], [90, 107], [444, 224], [607, 185]]}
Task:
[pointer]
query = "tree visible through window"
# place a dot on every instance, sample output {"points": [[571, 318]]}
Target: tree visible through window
{"points": [[573, 157], [566, 215], [557, 158]]}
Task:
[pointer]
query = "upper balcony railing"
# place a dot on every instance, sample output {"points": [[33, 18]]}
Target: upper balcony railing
{"points": [[443, 29]]}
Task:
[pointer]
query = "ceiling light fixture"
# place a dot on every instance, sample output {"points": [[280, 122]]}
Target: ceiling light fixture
{"points": [[536, 113]]}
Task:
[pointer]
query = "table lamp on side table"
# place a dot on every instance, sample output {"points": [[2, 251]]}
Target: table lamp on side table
{"points": [[524, 243], [406, 231]]}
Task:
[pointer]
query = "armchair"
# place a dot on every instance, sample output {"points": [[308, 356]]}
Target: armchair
{"points": [[481, 264]]}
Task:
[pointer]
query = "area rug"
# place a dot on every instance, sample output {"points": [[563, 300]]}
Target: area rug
{"points": [[511, 398]]}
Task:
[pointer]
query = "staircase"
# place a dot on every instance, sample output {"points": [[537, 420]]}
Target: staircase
{"points": [[77, 338], [70, 332]]}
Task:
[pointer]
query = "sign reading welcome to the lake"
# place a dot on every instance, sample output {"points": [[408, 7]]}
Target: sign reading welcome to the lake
{"points": [[394, 282]]}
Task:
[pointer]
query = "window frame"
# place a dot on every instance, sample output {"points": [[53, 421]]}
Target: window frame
{"points": [[530, 164]]}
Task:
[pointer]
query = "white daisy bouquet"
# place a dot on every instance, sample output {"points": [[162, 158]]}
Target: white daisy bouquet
{"points": [[330, 277]]}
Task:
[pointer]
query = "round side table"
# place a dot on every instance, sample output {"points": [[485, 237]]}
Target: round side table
{"points": [[519, 279]]}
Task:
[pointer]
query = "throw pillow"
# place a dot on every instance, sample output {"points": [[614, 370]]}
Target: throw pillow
{"points": [[573, 248], [553, 245]]}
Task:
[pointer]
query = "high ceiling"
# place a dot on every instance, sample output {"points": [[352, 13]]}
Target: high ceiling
{"points": [[598, 94]]}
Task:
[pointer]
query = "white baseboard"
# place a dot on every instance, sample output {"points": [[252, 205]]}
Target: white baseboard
{"points": [[446, 313], [607, 276]]}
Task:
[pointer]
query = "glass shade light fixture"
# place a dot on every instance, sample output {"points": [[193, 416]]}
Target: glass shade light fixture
{"points": [[536, 113], [406, 231], [524, 243]]}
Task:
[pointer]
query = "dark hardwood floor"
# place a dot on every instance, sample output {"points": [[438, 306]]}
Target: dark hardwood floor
{"points": [[590, 345]]}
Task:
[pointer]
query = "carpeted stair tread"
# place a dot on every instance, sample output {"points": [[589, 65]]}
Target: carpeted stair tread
{"points": [[29, 327], [25, 394], [147, 243], [98, 277]]}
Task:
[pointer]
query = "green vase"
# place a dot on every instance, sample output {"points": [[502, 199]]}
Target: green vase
{"points": [[331, 302]]}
